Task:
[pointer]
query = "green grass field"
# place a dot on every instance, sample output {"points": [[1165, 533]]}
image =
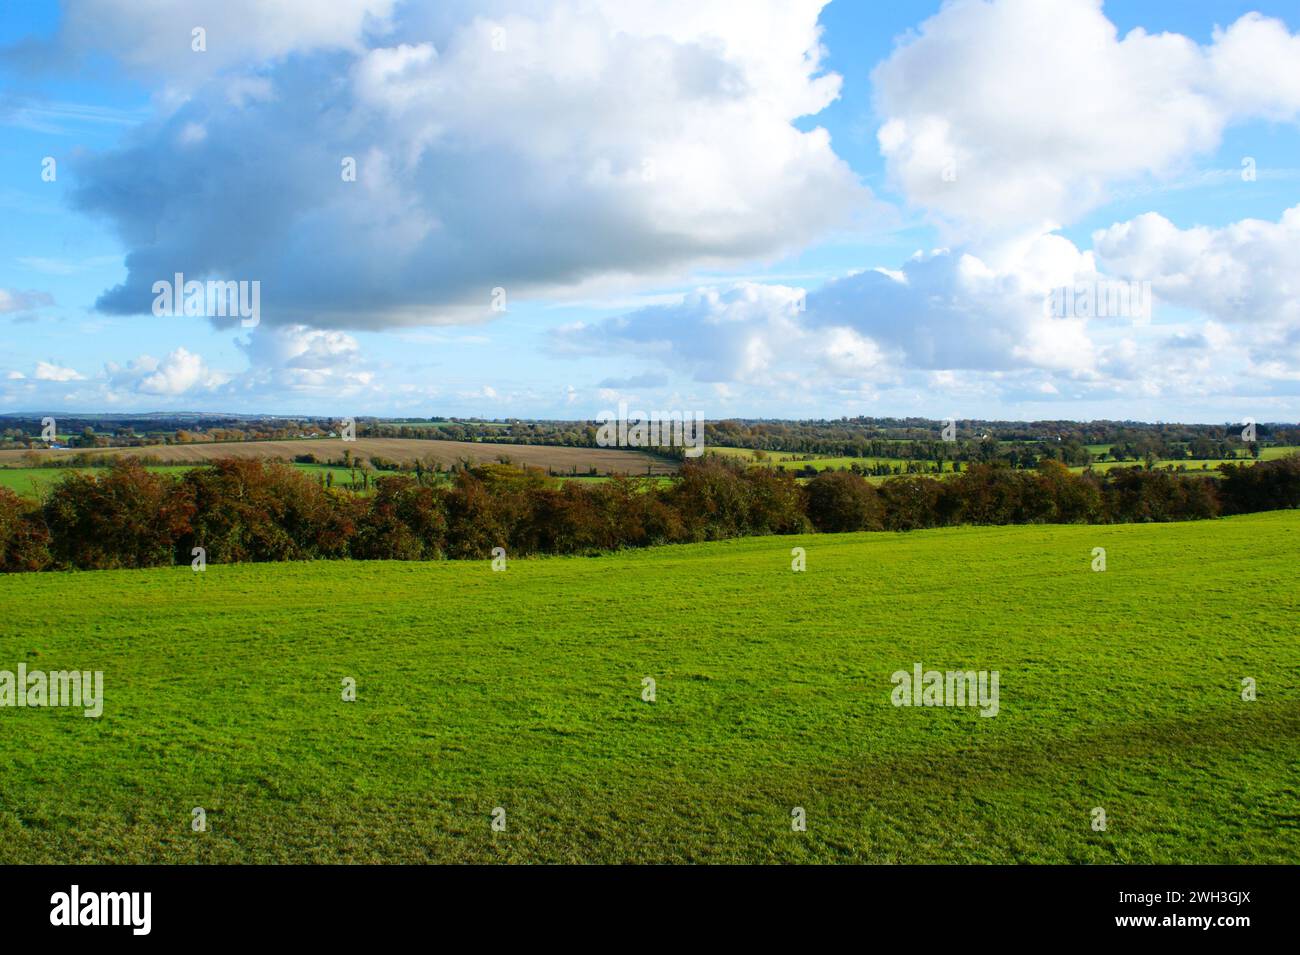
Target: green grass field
{"points": [[1196, 466], [34, 483], [522, 690], [796, 462]]}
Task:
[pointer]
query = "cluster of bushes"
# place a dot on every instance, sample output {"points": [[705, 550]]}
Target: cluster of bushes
{"points": [[250, 510]]}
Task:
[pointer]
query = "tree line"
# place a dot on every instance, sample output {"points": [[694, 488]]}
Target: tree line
{"points": [[252, 510], [1017, 442]]}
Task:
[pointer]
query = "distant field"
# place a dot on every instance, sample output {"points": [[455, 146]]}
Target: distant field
{"points": [[1209, 467], [795, 461], [1265, 454], [605, 461], [661, 480], [792, 461], [35, 482], [522, 690], [444, 424], [839, 463]]}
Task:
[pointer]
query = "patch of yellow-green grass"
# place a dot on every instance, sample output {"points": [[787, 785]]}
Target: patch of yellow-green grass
{"points": [[35, 483]]}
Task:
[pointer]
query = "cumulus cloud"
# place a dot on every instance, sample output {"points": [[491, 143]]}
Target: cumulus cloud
{"points": [[716, 335], [535, 152], [156, 36], [1254, 68], [951, 309], [953, 317], [946, 312], [942, 310], [303, 360], [1245, 275], [1244, 272], [1020, 113], [292, 362], [746, 334], [301, 347], [181, 372], [48, 371]]}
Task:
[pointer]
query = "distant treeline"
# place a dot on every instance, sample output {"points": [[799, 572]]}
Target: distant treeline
{"points": [[980, 440], [1019, 444], [249, 510], [90, 434], [1016, 443]]}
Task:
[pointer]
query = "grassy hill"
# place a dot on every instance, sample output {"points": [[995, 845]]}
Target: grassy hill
{"points": [[522, 690]]}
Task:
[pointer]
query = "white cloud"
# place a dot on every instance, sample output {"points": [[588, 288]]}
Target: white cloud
{"points": [[1245, 275], [303, 360], [848, 354], [181, 372], [974, 326], [716, 335], [942, 311], [957, 310], [301, 347], [176, 374], [601, 142], [1040, 107], [47, 371], [284, 363], [155, 36], [1255, 66], [1244, 272]]}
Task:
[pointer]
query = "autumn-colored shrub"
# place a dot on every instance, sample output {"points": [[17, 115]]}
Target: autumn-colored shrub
{"points": [[841, 501], [251, 510], [24, 538], [127, 517]]}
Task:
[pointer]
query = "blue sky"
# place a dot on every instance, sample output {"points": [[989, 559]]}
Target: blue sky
{"points": [[808, 211]]}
